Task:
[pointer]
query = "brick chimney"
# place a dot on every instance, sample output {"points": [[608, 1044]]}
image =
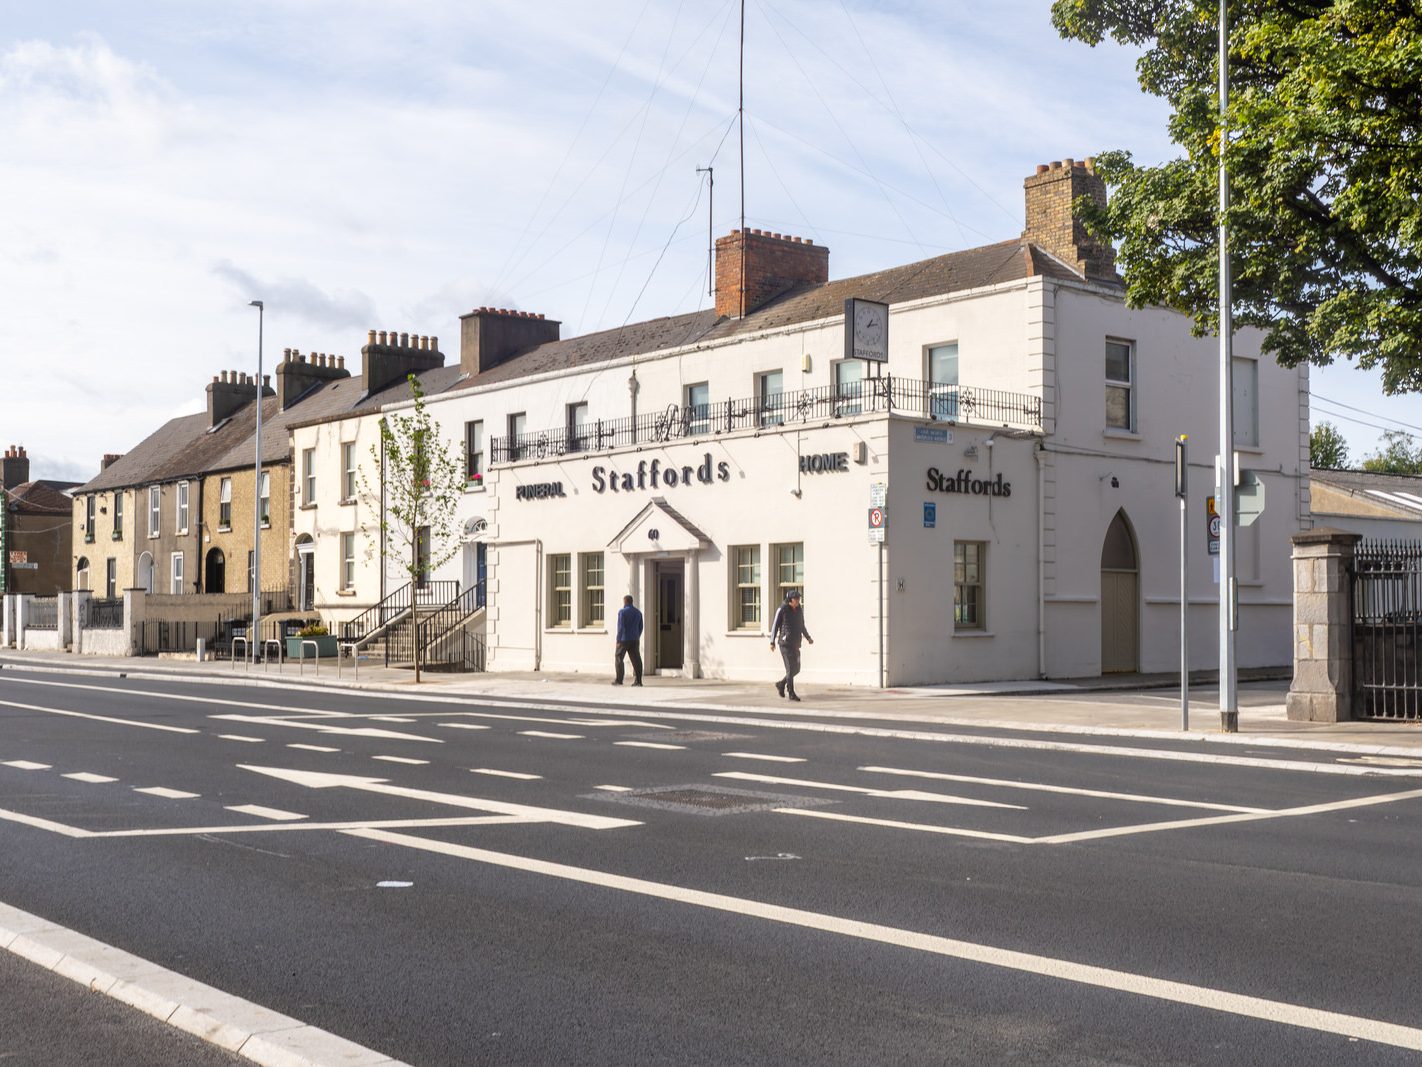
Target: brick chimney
{"points": [[229, 391], [16, 467], [1052, 225], [774, 264], [297, 373], [490, 336], [110, 458], [388, 357]]}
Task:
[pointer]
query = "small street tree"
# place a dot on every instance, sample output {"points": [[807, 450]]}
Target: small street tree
{"points": [[1327, 451], [416, 493], [1401, 453]]}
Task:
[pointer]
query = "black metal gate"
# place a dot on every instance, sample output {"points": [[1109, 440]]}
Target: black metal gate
{"points": [[1387, 630]]}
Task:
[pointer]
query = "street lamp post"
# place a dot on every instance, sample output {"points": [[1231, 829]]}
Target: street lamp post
{"points": [[255, 636]]}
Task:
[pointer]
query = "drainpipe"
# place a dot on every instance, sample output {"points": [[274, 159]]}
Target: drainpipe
{"points": [[1041, 457]]}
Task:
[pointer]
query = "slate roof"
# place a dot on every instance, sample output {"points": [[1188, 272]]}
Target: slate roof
{"points": [[1400, 494], [42, 497], [972, 268]]}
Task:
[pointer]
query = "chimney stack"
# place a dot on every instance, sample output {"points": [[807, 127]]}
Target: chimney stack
{"points": [[16, 467], [229, 392], [389, 357], [1054, 226], [774, 264], [296, 375], [110, 458], [490, 336]]}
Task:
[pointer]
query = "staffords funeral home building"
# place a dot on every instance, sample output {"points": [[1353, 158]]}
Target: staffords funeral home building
{"points": [[964, 463]]}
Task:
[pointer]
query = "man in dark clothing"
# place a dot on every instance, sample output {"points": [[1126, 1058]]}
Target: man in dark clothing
{"points": [[788, 628], [629, 640]]}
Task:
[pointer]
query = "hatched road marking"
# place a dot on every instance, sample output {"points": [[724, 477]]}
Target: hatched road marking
{"points": [[893, 794], [311, 748], [26, 765], [85, 776], [403, 759], [506, 774], [242, 737], [165, 793], [275, 814], [768, 759], [545, 733], [647, 744]]}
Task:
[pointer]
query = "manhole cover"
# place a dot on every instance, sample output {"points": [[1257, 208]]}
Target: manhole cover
{"points": [[704, 800], [689, 735]]}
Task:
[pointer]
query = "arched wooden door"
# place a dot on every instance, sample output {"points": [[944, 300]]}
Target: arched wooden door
{"points": [[1120, 599], [215, 573]]}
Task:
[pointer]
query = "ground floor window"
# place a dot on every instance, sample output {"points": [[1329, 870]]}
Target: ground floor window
{"points": [[745, 587], [560, 589], [968, 584], [347, 561], [789, 569], [177, 586], [592, 597]]}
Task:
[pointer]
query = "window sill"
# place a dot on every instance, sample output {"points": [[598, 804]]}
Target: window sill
{"points": [[475, 487], [758, 634], [116, 537], [345, 592], [973, 633], [1253, 450], [267, 525], [349, 502], [1121, 435], [224, 529], [307, 507], [88, 539]]}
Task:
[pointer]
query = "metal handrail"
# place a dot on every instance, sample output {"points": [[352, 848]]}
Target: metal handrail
{"points": [[932, 401], [451, 616]]}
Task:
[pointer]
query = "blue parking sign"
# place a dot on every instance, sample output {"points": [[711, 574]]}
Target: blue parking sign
{"points": [[930, 515]]}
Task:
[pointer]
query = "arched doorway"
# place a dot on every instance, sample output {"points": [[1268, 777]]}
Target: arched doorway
{"points": [[476, 558], [145, 572], [1120, 599], [305, 573], [214, 579], [81, 577]]}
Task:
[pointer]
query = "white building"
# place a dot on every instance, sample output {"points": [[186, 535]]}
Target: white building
{"points": [[1020, 438]]}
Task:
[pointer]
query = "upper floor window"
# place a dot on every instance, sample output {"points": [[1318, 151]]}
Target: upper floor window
{"points": [[89, 502], [348, 561], [264, 499], [848, 387], [474, 450], [698, 407], [1245, 380], [224, 504], [942, 367], [308, 475], [155, 504], [348, 470], [182, 526], [118, 515], [771, 391], [518, 431], [1120, 385], [577, 426]]}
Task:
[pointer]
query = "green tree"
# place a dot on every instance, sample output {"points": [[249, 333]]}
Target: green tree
{"points": [[1326, 448], [416, 494], [1401, 453], [1325, 165]]}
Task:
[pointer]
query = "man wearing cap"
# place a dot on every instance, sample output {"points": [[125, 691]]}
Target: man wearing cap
{"points": [[788, 628]]}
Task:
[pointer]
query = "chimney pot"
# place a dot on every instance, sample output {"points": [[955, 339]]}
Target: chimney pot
{"points": [[370, 338], [1056, 164], [1068, 163], [1042, 168], [340, 362], [1091, 164], [404, 340], [214, 379], [286, 353], [266, 381], [434, 341]]}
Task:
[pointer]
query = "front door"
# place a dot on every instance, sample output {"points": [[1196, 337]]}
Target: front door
{"points": [[307, 558], [669, 615], [1120, 597]]}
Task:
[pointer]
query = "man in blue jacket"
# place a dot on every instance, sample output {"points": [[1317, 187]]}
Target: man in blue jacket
{"points": [[629, 640]]}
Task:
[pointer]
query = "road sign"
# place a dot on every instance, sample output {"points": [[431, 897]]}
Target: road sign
{"points": [[878, 494], [1212, 524], [878, 525], [930, 515], [1248, 498]]}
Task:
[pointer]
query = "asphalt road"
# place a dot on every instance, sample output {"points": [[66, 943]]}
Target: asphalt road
{"points": [[460, 882]]}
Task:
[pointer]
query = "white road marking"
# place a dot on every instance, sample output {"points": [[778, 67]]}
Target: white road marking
{"points": [[465, 725], [391, 718], [26, 765], [892, 794], [93, 718], [545, 733], [317, 780], [1273, 1011], [275, 814], [896, 825], [85, 776], [43, 824], [506, 774], [268, 828], [160, 695], [325, 728], [614, 788], [1385, 761], [402, 759], [165, 793], [646, 744], [312, 748], [242, 737], [762, 756], [559, 722], [1039, 787]]}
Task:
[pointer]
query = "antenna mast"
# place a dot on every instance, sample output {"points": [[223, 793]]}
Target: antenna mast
{"points": [[741, 118], [710, 172]]}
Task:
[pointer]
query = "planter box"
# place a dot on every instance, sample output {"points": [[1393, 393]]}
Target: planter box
{"points": [[325, 647]]}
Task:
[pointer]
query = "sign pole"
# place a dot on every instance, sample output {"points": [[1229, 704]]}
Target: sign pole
{"points": [[1224, 495], [1182, 470], [881, 614]]}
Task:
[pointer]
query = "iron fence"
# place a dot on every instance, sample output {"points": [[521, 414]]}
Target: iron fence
{"points": [[43, 613], [1387, 629], [102, 613], [930, 401]]}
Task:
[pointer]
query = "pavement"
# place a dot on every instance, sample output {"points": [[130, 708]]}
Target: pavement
{"points": [[1130, 705]]}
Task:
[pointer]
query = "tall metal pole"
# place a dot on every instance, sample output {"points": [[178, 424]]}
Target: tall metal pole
{"points": [[741, 118], [255, 635], [1182, 490], [710, 228], [1224, 493]]}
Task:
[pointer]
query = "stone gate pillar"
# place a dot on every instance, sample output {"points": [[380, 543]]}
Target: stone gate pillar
{"points": [[1322, 690]]}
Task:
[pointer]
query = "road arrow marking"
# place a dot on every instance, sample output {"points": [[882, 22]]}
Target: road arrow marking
{"points": [[320, 780]]}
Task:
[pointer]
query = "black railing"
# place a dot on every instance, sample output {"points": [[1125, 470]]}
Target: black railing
{"points": [[905, 396], [421, 594], [435, 628], [1387, 629], [43, 613], [100, 613], [157, 635], [461, 651]]}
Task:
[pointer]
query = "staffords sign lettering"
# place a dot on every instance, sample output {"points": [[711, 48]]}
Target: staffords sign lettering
{"points": [[653, 475], [964, 482]]}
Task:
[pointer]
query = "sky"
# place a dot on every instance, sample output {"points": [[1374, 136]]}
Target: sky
{"points": [[365, 165]]}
